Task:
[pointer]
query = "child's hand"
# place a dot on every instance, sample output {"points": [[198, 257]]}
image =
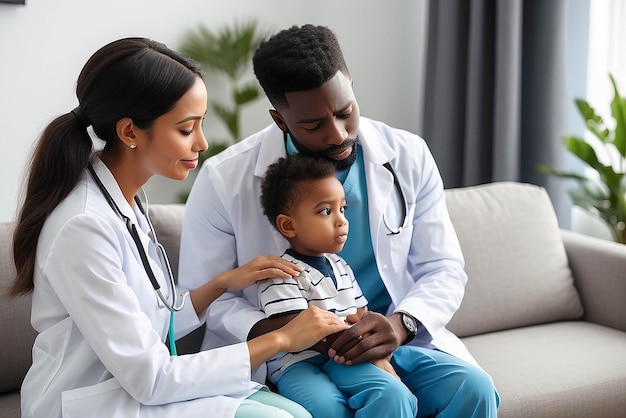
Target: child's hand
{"points": [[385, 365], [356, 317]]}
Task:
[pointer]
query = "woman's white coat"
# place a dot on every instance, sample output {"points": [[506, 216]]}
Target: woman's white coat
{"points": [[101, 329]]}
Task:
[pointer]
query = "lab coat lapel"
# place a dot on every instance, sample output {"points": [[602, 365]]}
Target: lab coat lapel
{"points": [[379, 183], [107, 179], [271, 149]]}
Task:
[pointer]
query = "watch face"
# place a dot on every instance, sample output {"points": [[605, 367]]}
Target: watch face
{"points": [[409, 323]]}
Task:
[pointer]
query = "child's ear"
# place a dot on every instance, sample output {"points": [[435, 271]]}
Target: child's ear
{"points": [[285, 226]]}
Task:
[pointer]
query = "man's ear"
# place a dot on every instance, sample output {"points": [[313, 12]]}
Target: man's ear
{"points": [[278, 120], [285, 226], [127, 132]]}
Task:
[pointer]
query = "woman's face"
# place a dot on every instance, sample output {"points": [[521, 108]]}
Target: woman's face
{"points": [[172, 144]]}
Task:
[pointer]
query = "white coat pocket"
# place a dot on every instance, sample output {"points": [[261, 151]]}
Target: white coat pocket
{"points": [[106, 399]]}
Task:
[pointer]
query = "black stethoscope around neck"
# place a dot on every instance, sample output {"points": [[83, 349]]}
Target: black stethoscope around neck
{"points": [[396, 183], [172, 306]]}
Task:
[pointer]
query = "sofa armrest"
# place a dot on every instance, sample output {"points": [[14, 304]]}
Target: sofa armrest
{"points": [[599, 270]]}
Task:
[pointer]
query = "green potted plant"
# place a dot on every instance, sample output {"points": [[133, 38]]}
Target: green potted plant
{"points": [[603, 192], [226, 52]]}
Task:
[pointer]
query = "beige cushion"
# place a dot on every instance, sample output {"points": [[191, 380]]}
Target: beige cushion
{"points": [[167, 220], [517, 268], [562, 370], [15, 325]]}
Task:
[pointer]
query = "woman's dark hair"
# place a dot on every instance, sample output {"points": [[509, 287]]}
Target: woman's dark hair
{"points": [[133, 77], [286, 182], [296, 59]]}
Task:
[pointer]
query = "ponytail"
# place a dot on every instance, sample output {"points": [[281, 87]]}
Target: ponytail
{"points": [[132, 77], [61, 155]]}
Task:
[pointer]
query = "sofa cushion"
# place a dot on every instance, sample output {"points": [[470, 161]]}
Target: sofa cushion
{"points": [[567, 369], [167, 220], [518, 272], [14, 319]]}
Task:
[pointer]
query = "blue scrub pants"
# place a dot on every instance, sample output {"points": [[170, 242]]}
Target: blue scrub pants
{"points": [[446, 387], [327, 389]]}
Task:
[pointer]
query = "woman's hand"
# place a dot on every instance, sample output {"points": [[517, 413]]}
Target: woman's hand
{"points": [[260, 268], [307, 328]]}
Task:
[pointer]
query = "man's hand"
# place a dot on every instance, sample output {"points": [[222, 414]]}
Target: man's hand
{"points": [[373, 337]]}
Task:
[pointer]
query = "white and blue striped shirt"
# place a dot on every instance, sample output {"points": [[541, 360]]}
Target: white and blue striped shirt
{"points": [[340, 294]]}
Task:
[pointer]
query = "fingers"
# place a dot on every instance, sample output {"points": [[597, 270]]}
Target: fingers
{"points": [[311, 326], [260, 268], [350, 338], [271, 266], [370, 338], [376, 352]]}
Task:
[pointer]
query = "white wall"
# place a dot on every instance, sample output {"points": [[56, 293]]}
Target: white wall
{"points": [[44, 44]]}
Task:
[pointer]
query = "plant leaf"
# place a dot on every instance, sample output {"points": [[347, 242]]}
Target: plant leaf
{"points": [[582, 150], [245, 94], [229, 117], [618, 111], [593, 121], [229, 50]]}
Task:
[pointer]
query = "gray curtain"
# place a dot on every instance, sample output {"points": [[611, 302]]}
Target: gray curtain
{"points": [[496, 94]]}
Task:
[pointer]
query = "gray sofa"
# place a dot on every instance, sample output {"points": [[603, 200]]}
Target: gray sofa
{"points": [[544, 311]]}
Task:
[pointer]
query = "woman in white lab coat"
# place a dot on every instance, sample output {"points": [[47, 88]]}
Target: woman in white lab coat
{"points": [[86, 250]]}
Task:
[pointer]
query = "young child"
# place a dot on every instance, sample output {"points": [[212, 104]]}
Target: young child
{"points": [[305, 202]]}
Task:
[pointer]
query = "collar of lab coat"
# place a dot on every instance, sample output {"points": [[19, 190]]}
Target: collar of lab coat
{"points": [[109, 182]]}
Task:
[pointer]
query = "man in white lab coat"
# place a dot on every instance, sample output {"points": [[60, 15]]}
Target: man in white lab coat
{"points": [[402, 247]]}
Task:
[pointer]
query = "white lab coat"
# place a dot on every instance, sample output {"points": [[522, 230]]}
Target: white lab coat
{"points": [[99, 349], [422, 267]]}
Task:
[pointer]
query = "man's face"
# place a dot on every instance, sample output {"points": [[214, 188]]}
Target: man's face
{"points": [[324, 121]]}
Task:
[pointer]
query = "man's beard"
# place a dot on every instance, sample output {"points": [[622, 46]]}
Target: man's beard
{"points": [[339, 164]]}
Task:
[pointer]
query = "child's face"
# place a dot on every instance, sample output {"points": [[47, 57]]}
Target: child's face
{"points": [[318, 221]]}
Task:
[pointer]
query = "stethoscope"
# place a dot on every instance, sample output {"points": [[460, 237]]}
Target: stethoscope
{"points": [[396, 183], [173, 306]]}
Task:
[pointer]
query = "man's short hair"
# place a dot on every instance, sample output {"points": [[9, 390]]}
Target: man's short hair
{"points": [[286, 182], [297, 59]]}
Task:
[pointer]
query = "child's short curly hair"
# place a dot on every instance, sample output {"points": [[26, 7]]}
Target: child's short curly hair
{"points": [[297, 59], [286, 182]]}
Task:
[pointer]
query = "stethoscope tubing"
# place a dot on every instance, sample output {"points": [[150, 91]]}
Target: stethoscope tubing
{"points": [[132, 229]]}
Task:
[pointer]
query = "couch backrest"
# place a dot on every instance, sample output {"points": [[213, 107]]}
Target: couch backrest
{"points": [[167, 220], [518, 273], [515, 260], [17, 334]]}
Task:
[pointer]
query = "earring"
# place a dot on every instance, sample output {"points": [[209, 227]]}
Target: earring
{"points": [[133, 146]]}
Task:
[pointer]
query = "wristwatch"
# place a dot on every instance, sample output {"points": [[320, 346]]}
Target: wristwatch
{"points": [[411, 325]]}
